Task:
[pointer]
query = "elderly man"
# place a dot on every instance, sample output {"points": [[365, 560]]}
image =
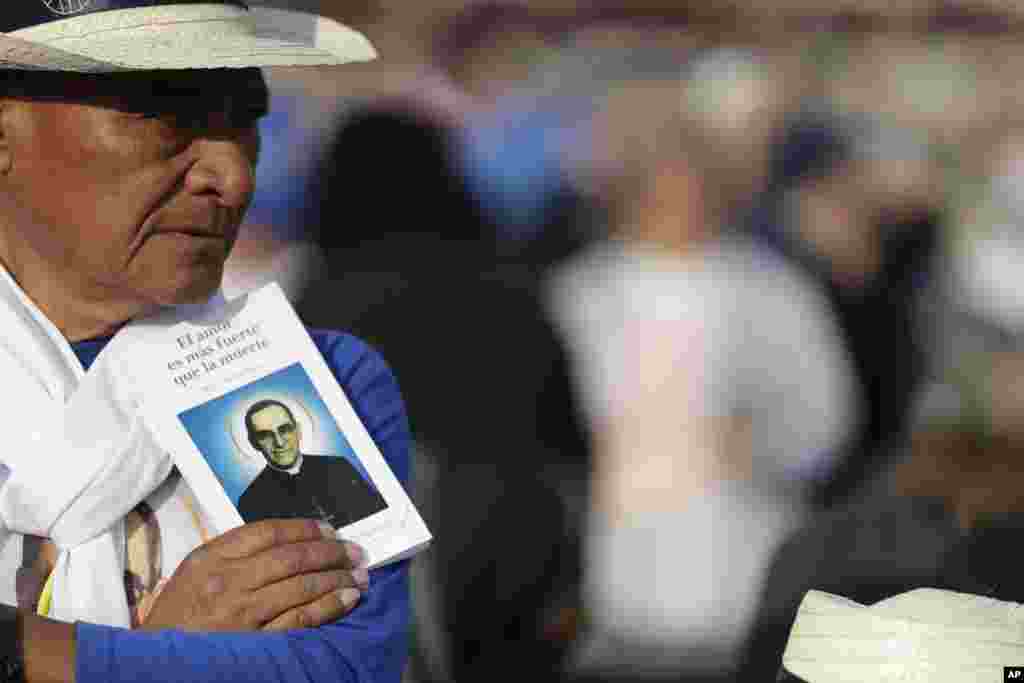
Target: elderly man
{"points": [[127, 149]]}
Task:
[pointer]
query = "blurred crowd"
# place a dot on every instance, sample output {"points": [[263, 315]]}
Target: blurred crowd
{"points": [[695, 307]]}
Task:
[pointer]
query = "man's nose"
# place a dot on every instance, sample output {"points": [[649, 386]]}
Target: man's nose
{"points": [[278, 441], [225, 170]]}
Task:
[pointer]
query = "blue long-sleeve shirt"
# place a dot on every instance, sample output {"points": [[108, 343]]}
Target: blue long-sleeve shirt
{"points": [[369, 644]]}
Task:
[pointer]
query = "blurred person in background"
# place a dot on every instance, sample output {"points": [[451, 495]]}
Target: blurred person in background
{"points": [[981, 368], [853, 205], [945, 507], [944, 511], [412, 261], [517, 115], [411, 248], [413, 269], [712, 378], [988, 250]]}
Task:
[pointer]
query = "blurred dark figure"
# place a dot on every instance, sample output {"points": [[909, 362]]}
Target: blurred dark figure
{"points": [[871, 258], [506, 576], [391, 177], [412, 267]]}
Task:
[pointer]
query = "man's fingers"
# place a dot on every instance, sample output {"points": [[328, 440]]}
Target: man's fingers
{"points": [[297, 598], [285, 561], [251, 539], [327, 609]]}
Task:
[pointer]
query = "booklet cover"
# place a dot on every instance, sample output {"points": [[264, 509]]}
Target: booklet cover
{"points": [[240, 396]]}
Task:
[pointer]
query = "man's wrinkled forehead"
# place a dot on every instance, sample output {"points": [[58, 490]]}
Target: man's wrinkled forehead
{"points": [[141, 89]]}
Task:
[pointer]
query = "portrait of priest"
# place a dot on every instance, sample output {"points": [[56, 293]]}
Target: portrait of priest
{"points": [[297, 484]]}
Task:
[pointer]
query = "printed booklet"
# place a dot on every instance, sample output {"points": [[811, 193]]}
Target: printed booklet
{"points": [[240, 396]]}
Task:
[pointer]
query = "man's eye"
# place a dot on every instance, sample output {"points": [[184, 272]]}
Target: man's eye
{"points": [[154, 115], [193, 120], [190, 119], [174, 119], [287, 429]]}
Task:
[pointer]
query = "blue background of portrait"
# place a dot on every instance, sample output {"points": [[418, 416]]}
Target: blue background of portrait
{"points": [[209, 425]]}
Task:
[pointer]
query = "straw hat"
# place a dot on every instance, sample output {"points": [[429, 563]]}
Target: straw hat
{"points": [[128, 35], [926, 634]]}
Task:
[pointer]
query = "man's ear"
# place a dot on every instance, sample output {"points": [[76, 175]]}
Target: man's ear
{"points": [[16, 121], [6, 158], [252, 439]]}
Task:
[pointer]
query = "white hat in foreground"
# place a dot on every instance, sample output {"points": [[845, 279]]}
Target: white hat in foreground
{"points": [[926, 634], [129, 35]]}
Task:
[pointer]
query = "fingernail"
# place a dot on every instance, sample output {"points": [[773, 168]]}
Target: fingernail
{"points": [[356, 554], [327, 530], [349, 597], [361, 577]]}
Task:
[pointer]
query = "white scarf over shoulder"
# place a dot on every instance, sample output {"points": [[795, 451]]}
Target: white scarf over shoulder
{"points": [[78, 458]]}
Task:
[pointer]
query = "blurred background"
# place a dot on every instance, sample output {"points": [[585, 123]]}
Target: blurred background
{"points": [[695, 306]]}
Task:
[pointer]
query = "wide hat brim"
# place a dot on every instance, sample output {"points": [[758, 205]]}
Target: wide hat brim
{"points": [[183, 36], [926, 634]]}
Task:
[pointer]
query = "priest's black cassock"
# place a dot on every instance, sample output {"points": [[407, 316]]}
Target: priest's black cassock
{"points": [[327, 488]]}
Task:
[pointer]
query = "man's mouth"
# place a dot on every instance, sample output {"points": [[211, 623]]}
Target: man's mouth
{"points": [[197, 232]]}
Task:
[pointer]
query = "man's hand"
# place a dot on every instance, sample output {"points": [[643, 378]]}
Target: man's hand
{"points": [[271, 575]]}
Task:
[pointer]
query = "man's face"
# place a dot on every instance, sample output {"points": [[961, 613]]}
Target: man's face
{"points": [[277, 436], [135, 185]]}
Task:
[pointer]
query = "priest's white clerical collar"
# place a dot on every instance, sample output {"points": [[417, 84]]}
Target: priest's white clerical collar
{"points": [[293, 470]]}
